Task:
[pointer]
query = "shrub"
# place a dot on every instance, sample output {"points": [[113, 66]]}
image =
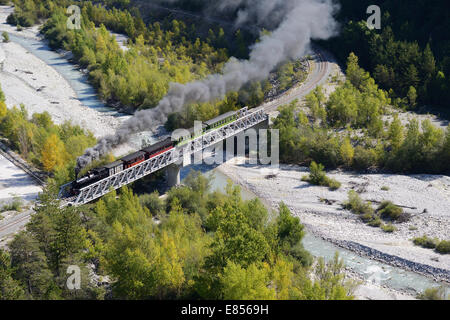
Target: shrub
{"points": [[425, 242], [15, 205], [437, 293], [357, 205], [443, 247], [318, 177], [376, 222], [364, 158], [389, 228], [388, 210], [5, 36], [385, 188]]}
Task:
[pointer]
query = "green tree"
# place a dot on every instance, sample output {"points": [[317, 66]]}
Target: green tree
{"points": [[412, 97], [347, 152], [246, 284]]}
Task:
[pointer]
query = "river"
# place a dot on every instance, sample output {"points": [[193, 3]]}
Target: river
{"points": [[370, 270]]}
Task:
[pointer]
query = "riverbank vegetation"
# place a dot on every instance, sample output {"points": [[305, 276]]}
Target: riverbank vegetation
{"points": [[355, 128], [436, 293], [221, 247], [318, 177], [440, 246], [50, 147], [383, 217]]}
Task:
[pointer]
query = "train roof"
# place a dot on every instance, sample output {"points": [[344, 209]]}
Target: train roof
{"points": [[113, 164], [158, 145], [220, 118], [133, 156]]}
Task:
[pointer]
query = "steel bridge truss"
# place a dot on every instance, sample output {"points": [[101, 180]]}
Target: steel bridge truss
{"points": [[96, 190]]}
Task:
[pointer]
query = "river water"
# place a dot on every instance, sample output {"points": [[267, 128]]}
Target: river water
{"points": [[371, 270], [374, 271]]}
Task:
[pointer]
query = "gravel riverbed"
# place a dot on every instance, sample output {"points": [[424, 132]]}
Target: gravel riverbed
{"points": [[425, 197]]}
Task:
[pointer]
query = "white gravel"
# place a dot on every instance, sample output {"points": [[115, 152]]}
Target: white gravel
{"points": [[29, 80], [419, 191], [14, 182]]}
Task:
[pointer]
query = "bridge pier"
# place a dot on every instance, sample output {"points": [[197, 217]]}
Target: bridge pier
{"points": [[173, 175]]}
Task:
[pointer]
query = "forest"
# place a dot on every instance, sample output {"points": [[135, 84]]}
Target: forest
{"points": [[410, 50], [195, 244], [355, 128]]}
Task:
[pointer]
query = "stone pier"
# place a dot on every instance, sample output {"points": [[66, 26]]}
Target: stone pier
{"points": [[173, 175]]}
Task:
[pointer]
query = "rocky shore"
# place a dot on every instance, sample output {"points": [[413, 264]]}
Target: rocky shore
{"points": [[436, 274], [425, 197]]}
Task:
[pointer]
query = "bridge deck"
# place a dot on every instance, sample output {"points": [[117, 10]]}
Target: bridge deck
{"points": [[100, 188]]}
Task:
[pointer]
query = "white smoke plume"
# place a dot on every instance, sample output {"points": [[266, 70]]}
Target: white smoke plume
{"points": [[296, 22]]}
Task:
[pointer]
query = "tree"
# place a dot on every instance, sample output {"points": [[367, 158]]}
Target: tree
{"points": [[290, 230], [53, 153], [30, 267], [347, 152], [356, 75], [3, 110], [412, 96], [395, 133], [246, 284], [10, 289]]}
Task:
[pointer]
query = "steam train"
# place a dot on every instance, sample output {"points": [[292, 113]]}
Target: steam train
{"points": [[131, 160]]}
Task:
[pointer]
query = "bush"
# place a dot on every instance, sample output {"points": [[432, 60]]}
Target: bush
{"points": [[15, 205], [364, 158], [12, 19], [443, 247], [389, 228], [318, 177], [5, 36], [375, 222], [388, 210], [425, 242], [357, 205], [437, 293], [385, 188], [153, 203]]}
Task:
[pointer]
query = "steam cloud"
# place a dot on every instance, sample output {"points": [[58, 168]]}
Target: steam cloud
{"points": [[298, 22]]}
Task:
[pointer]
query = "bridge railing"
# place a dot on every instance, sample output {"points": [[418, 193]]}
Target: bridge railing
{"points": [[102, 187]]}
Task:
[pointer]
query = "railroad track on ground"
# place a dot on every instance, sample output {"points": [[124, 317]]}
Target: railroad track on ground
{"points": [[15, 159]]}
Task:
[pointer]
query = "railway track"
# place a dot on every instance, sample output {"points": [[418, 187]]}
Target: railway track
{"points": [[319, 73], [11, 157], [11, 226]]}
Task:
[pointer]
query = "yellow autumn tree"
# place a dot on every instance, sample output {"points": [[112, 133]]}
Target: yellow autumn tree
{"points": [[347, 151], [3, 109], [53, 153]]}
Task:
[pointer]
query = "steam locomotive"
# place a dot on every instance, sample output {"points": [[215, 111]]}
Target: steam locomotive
{"points": [[152, 151]]}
